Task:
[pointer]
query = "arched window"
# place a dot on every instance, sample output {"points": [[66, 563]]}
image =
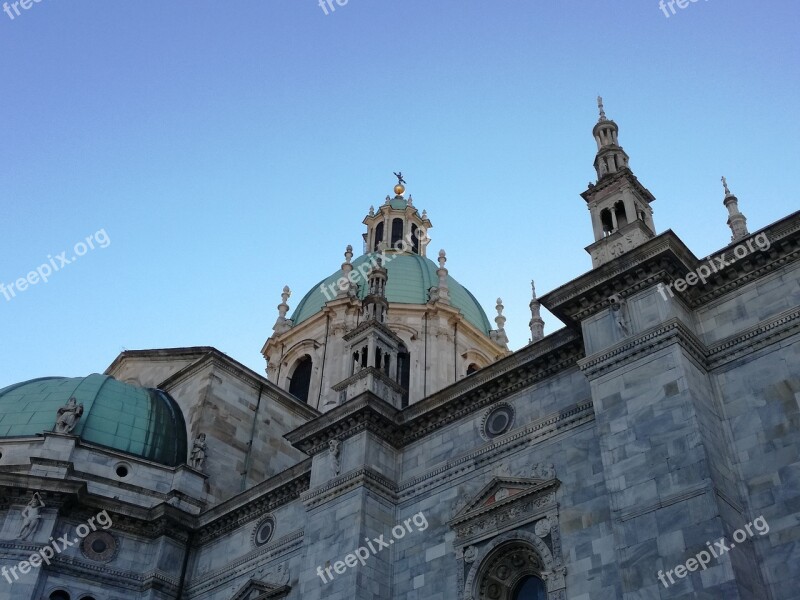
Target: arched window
{"points": [[472, 368], [605, 219], [378, 237], [404, 374], [622, 217], [530, 588], [414, 240], [397, 231], [300, 382], [59, 595]]}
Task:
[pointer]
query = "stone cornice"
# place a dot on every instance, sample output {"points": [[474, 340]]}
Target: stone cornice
{"points": [[555, 353], [531, 487], [255, 502], [647, 343], [245, 564], [542, 429], [535, 362], [371, 324], [754, 338], [770, 331], [365, 477], [611, 178], [361, 373], [364, 412], [666, 258], [74, 499]]}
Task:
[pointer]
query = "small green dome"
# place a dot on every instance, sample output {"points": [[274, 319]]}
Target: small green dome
{"points": [[140, 421], [410, 278]]}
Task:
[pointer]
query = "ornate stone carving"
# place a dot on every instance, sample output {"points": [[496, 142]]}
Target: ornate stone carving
{"points": [[542, 527], [68, 416], [197, 457], [334, 452], [543, 471], [31, 516], [470, 554]]}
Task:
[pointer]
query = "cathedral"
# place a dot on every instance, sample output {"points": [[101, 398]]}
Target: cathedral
{"points": [[395, 447]]}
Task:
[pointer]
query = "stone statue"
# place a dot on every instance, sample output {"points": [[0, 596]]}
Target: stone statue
{"points": [[31, 517], [68, 416], [619, 308], [333, 449], [198, 455]]}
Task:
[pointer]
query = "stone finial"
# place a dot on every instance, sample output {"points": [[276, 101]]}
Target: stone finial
{"points": [[31, 516], [388, 200], [371, 211], [736, 220], [424, 214], [282, 324], [601, 108], [499, 335], [197, 457], [536, 324], [725, 186], [410, 200], [345, 290], [441, 293], [67, 416]]}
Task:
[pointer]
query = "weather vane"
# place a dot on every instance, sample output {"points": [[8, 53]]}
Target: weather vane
{"points": [[400, 180]]}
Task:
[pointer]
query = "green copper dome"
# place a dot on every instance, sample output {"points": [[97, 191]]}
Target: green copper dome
{"points": [[140, 421], [410, 278]]}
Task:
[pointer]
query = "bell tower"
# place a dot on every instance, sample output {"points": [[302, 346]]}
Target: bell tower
{"points": [[619, 205]]}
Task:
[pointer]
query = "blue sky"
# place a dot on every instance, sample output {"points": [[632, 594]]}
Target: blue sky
{"points": [[230, 148]]}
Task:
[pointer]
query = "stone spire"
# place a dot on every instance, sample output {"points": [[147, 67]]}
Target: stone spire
{"points": [[536, 324], [283, 324], [619, 204], [346, 268], [736, 220], [499, 335], [375, 304], [610, 156], [441, 293]]}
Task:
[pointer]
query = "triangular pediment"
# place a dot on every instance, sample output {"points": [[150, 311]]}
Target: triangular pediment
{"points": [[501, 491], [260, 590]]}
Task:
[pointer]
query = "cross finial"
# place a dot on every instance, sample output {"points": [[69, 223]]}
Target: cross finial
{"points": [[600, 107], [725, 185]]}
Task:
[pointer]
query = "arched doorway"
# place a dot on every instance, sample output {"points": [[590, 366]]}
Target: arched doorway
{"points": [[530, 588], [514, 566]]}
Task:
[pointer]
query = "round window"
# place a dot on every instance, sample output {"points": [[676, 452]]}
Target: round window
{"points": [[498, 421], [264, 531]]}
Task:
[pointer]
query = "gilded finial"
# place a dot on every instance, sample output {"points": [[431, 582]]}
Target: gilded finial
{"points": [[400, 187]]}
